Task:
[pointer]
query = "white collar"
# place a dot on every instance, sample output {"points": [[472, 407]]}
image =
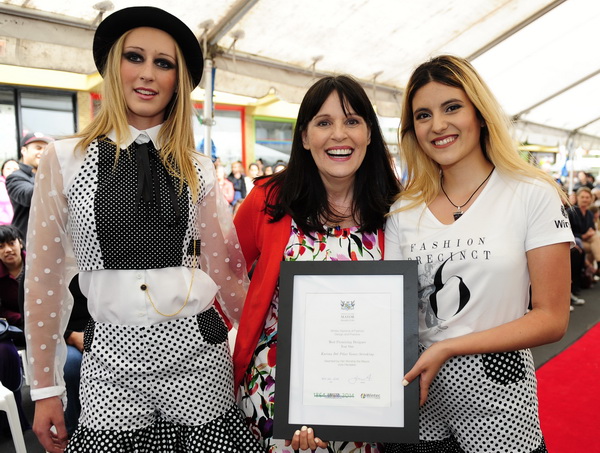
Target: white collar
{"points": [[138, 136]]}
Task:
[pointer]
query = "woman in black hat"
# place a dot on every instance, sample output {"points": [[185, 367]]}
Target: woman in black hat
{"points": [[130, 206]]}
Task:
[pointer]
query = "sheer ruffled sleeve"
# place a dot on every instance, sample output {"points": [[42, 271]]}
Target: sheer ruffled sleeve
{"points": [[221, 255], [49, 268]]}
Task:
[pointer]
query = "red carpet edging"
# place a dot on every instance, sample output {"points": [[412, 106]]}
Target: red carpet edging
{"points": [[569, 395]]}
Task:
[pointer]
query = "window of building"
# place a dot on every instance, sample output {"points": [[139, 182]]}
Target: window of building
{"points": [[8, 131], [227, 133], [273, 139], [24, 110]]}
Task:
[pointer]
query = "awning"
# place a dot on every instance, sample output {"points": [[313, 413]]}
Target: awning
{"points": [[538, 56]]}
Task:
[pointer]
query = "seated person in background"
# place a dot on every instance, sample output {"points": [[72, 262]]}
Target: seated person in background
{"points": [[74, 339], [12, 259], [11, 269], [583, 225]]}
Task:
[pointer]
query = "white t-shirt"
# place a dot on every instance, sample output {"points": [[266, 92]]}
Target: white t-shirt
{"points": [[473, 273]]}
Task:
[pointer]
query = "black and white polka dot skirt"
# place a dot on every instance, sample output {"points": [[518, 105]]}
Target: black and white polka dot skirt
{"points": [[481, 403], [161, 388]]}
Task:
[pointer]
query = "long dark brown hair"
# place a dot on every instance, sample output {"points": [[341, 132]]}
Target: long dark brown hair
{"points": [[299, 191]]}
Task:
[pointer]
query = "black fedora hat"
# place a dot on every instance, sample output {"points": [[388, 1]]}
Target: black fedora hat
{"points": [[119, 22]]}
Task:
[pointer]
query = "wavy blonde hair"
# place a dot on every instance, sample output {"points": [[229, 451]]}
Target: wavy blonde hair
{"points": [[176, 137], [423, 174]]}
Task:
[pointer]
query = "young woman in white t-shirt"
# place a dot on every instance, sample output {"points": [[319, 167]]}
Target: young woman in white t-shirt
{"points": [[485, 227]]}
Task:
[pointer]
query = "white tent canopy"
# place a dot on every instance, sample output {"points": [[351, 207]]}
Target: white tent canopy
{"points": [[537, 55]]}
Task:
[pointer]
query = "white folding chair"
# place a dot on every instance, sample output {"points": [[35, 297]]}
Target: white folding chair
{"points": [[23, 354], [8, 405]]}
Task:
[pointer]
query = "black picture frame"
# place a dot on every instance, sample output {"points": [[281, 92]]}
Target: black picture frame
{"points": [[347, 276]]}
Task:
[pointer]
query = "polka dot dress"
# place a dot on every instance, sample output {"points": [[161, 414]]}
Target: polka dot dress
{"points": [[158, 387], [170, 384], [482, 403]]}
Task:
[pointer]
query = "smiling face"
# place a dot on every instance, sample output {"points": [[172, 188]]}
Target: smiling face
{"points": [[446, 125], [149, 75], [337, 141], [32, 152]]}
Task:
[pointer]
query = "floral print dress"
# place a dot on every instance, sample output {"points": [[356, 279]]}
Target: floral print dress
{"points": [[258, 387]]}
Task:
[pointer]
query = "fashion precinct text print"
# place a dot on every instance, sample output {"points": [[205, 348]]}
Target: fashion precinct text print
{"points": [[440, 250]]}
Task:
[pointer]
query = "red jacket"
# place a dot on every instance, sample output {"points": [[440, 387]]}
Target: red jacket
{"points": [[266, 242], [258, 238]]}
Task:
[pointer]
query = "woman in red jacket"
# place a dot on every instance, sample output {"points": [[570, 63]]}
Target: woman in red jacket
{"points": [[328, 204]]}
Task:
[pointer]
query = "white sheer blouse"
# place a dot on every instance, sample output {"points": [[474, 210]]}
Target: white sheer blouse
{"points": [[64, 239]]}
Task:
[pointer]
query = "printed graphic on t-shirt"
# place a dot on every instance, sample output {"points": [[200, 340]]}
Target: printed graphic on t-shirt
{"points": [[444, 291]]}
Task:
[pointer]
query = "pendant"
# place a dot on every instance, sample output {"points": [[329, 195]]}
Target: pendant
{"points": [[457, 215]]}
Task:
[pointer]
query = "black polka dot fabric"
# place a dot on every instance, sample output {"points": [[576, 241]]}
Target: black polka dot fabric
{"points": [[505, 368], [160, 388], [88, 335], [227, 434], [482, 403], [114, 228], [212, 327], [127, 225], [448, 445]]}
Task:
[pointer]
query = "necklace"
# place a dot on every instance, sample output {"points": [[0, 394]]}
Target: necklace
{"points": [[459, 213], [170, 315]]}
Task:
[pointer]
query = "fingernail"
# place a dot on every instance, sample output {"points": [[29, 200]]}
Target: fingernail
{"points": [[309, 430], [304, 428], [297, 433], [405, 382]]}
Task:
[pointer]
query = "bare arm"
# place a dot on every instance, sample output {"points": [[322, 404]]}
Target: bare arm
{"points": [[546, 322]]}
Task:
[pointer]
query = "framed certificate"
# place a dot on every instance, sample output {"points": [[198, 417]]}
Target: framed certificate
{"points": [[347, 334]]}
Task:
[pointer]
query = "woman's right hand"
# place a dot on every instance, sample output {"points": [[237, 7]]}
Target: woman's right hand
{"points": [[427, 367], [304, 439], [49, 424]]}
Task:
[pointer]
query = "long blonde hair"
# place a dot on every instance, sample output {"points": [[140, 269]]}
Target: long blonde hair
{"points": [[423, 173], [176, 137]]}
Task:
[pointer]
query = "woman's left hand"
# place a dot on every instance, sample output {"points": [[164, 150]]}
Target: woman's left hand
{"points": [[76, 340], [304, 439], [427, 367]]}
